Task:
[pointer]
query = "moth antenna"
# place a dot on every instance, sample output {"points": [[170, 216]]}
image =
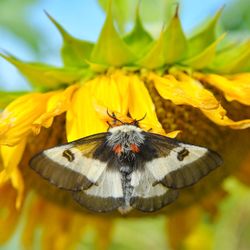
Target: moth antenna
{"points": [[110, 126], [136, 122], [142, 118], [119, 121], [113, 116]]}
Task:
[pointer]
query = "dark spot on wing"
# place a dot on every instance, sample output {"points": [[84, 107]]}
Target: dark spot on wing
{"points": [[182, 154], [68, 155]]}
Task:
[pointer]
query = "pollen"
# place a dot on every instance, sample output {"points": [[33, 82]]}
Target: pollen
{"points": [[134, 148]]}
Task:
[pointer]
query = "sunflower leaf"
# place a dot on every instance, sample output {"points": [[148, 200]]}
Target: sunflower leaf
{"points": [[205, 57], [138, 39], [44, 76], [74, 52], [205, 35], [110, 49], [169, 48]]}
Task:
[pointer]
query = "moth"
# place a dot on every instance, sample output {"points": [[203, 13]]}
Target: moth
{"points": [[125, 168]]}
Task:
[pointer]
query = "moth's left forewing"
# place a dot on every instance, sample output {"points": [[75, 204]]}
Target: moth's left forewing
{"points": [[71, 166], [178, 164]]}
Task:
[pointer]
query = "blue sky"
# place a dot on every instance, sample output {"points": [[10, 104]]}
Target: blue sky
{"points": [[84, 19]]}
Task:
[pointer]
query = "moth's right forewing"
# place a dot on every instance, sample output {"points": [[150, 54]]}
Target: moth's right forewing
{"points": [[178, 164]]}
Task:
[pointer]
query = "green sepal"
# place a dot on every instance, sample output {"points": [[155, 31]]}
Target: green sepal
{"points": [[8, 97], [204, 58], [44, 76], [232, 60], [180, 68], [138, 39], [74, 52], [97, 68], [131, 68], [169, 48], [205, 35], [110, 49]]}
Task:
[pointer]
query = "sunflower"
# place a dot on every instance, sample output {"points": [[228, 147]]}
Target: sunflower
{"points": [[182, 84]]}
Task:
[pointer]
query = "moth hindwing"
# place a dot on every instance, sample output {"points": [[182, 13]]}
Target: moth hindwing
{"points": [[125, 168]]}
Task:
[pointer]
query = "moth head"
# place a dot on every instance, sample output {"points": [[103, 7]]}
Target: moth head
{"points": [[118, 122], [125, 134]]}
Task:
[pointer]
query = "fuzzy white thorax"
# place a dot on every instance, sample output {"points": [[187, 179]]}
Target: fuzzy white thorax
{"points": [[125, 135], [125, 129]]}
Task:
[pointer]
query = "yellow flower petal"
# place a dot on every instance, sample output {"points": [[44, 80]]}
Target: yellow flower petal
{"points": [[4, 177], [108, 91], [173, 134], [82, 119], [18, 184], [56, 105], [17, 118], [219, 117], [67, 227], [235, 87], [11, 157], [183, 89], [8, 213], [111, 91], [141, 104], [188, 91], [122, 82], [108, 118]]}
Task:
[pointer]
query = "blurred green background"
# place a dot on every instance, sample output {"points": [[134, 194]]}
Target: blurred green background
{"points": [[26, 32]]}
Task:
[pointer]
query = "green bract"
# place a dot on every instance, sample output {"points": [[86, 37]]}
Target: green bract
{"points": [[137, 50]]}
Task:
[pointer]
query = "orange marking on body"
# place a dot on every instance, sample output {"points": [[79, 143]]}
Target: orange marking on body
{"points": [[117, 148], [134, 148]]}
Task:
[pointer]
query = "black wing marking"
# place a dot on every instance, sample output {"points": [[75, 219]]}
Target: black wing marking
{"points": [[177, 164], [97, 204], [72, 166], [155, 203]]}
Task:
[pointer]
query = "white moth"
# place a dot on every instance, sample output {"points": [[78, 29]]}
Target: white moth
{"points": [[125, 168]]}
